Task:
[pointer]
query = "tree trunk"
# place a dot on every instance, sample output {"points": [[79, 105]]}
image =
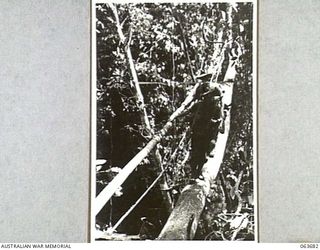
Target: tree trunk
{"points": [[156, 157], [114, 185], [183, 221]]}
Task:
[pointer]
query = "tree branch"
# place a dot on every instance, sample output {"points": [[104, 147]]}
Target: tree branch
{"points": [[139, 95], [113, 186], [140, 99], [136, 203]]}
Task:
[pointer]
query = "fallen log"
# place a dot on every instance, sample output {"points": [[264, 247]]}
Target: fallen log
{"points": [[114, 185], [183, 221]]}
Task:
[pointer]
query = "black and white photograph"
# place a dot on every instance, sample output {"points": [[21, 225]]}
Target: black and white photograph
{"points": [[174, 121]]}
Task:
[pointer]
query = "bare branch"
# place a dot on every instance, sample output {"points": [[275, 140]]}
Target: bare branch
{"points": [[139, 95], [125, 215], [113, 186]]}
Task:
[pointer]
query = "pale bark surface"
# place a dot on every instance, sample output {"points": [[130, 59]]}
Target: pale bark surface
{"points": [[183, 221], [114, 185]]}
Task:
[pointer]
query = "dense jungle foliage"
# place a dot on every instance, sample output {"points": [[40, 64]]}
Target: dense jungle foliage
{"points": [[161, 38]]}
